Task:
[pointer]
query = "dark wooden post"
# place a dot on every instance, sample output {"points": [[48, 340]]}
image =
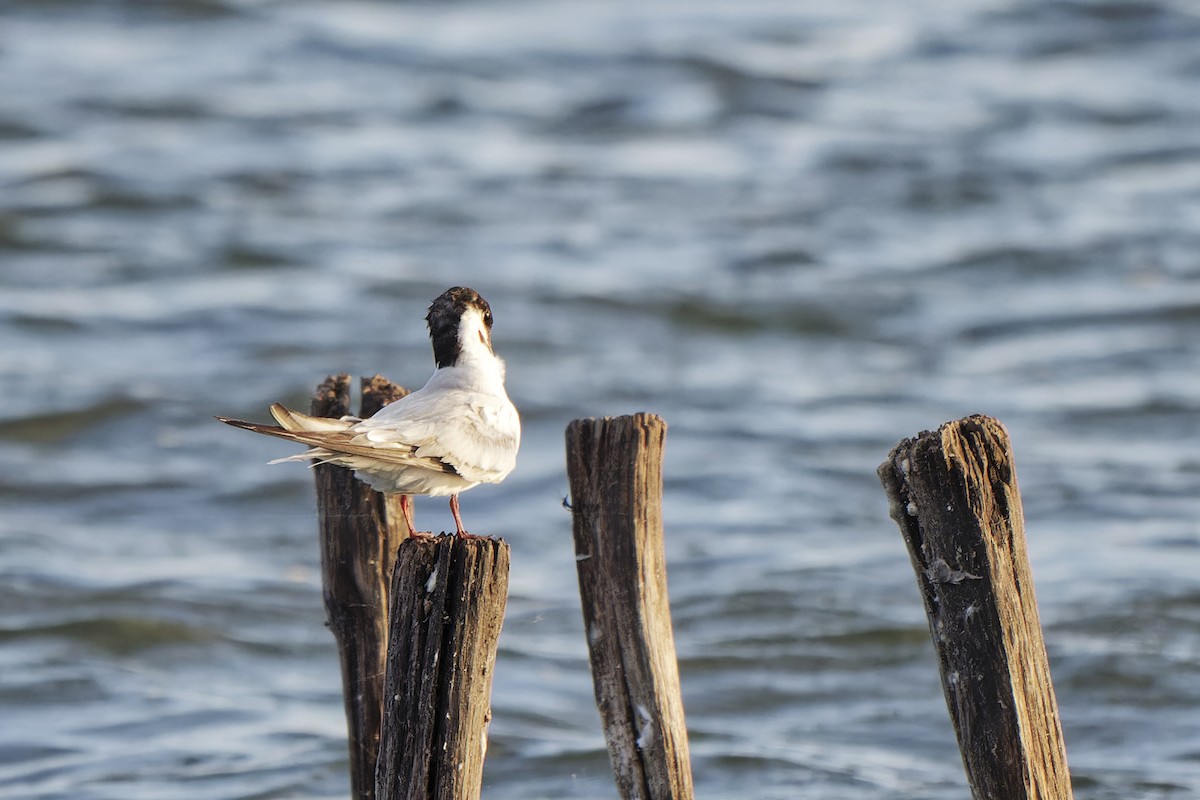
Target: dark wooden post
{"points": [[448, 598], [615, 471], [954, 495], [360, 530]]}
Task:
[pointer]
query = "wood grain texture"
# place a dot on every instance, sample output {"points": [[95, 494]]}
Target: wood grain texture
{"points": [[954, 495], [615, 470], [448, 599], [360, 531]]}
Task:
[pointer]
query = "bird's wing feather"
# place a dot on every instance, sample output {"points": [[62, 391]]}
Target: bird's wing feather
{"points": [[295, 421]]}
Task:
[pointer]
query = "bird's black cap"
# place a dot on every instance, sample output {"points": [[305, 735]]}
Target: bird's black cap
{"points": [[443, 318]]}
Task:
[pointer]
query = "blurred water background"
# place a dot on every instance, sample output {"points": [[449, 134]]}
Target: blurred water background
{"points": [[798, 231]]}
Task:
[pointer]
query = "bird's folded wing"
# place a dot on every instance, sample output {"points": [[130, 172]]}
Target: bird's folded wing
{"points": [[479, 437], [336, 437]]}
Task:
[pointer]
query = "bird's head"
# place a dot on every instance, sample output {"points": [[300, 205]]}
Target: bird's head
{"points": [[460, 322]]}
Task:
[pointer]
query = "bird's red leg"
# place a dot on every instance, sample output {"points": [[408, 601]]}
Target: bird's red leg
{"points": [[461, 532], [406, 509], [406, 506]]}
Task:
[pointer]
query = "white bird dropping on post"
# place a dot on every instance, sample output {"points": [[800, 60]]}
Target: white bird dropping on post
{"points": [[457, 431]]}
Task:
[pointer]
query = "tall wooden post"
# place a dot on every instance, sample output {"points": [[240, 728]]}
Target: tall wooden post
{"points": [[615, 471], [360, 530], [448, 599], [954, 495]]}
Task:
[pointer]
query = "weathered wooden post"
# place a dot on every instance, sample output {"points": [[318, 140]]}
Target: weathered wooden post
{"points": [[615, 470], [954, 495], [417, 706], [448, 599], [360, 530]]}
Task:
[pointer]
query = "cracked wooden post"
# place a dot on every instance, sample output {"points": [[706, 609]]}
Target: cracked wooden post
{"points": [[360, 530], [615, 471], [448, 598], [954, 495]]}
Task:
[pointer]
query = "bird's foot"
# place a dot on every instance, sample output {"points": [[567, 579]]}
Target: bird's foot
{"points": [[463, 536], [423, 535]]}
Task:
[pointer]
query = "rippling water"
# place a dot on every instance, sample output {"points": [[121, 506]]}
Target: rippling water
{"points": [[798, 232]]}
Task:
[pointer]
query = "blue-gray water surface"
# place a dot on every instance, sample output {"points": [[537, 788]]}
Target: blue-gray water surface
{"points": [[798, 231]]}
